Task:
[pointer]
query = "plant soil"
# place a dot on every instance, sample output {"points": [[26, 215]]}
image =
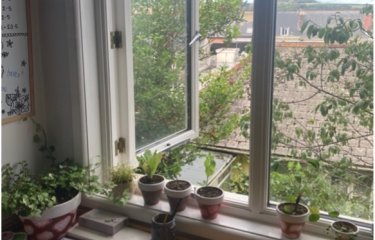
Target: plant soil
{"points": [[178, 185], [290, 208], [209, 192], [64, 195], [153, 179], [161, 218], [344, 227]]}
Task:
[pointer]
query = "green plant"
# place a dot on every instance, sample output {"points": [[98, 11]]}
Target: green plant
{"points": [[149, 162], [122, 174], [209, 166], [21, 192], [25, 194]]}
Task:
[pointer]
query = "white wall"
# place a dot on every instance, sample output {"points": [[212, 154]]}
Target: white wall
{"points": [[55, 75]]}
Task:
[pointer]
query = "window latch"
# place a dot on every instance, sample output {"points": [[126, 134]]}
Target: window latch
{"points": [[119, 146], [116, 39], [195, 38]]}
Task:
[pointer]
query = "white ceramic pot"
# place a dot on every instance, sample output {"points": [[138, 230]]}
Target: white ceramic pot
{"points": [[151, 192], [292, 225], [178, 193], [344, 235], [54, 222], [178, 198], [209, 206]]}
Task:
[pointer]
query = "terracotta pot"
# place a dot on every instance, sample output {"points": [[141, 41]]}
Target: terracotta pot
{"points": [[151, 192], [119, 189], [292, 225], [179, 196], [209, 206], [54, 222], [349, 233]]}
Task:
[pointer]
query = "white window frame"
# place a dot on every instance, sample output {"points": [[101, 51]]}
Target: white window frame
{"points": [[117, 97], [95, 19]]}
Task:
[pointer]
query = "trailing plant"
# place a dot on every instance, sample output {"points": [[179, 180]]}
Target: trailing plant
{"points": [[25, 194]]}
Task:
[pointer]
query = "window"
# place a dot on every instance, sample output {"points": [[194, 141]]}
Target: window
{"points": [[295, 145], [322, 133], [162, 69]]}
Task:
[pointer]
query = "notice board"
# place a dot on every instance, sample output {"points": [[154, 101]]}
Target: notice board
{"points": [[17, 90]]}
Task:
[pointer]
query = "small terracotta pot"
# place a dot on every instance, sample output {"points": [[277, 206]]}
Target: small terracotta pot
{"points": [[177, 196], [54, 222], [151, 192], [292, 225], [209, 206], [340, 234]]}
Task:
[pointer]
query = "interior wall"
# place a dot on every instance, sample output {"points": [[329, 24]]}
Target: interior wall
{"points": [[53, 38]]}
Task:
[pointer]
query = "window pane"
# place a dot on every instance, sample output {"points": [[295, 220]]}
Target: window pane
{"points": [[322, 139], [160, 69], [224, 106]]}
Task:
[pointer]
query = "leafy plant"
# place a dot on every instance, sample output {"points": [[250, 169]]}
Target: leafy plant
{"points": [[27, 195], [149, 162], [122, 174], [209, 166]]}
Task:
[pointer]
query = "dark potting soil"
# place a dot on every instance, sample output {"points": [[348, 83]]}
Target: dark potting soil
{"points": [[178, 185], [161, 218], [64, 195], [290, 208], [153, 179], [344, 227], [209, 192]]}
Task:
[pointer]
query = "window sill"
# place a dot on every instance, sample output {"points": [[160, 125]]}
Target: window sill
{"points": [[190, 221]]}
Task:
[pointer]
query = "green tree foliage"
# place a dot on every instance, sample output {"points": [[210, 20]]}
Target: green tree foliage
{"points": [[326, 172], [159, 30]]}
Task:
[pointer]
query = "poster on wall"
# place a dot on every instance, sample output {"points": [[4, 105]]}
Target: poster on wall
{"points": [[17, 95]]}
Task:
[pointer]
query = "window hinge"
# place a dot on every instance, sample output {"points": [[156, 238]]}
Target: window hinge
{"points": [[116, 39], [119, 146]]}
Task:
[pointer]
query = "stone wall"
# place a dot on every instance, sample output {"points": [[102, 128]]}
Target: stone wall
{"points": [[303, 101]]}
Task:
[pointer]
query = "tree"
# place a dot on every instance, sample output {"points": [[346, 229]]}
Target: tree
{"points": [[343, 78]]}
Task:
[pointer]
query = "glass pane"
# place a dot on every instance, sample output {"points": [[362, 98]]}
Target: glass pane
{"points": [[224, 110], [160, 69], [322, 139]]}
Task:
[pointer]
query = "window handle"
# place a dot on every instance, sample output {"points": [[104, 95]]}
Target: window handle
{"points": [[195, 38]]}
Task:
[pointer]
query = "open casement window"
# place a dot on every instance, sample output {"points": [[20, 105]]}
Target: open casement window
{"points": [[151, 77], [149, 97]]}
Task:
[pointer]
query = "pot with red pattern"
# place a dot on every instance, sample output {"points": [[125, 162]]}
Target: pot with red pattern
{"points": [[292, 218], [54, 222], [209, 200]]}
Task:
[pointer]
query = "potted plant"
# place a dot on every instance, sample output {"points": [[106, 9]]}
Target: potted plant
{"points": [[293, 216], [178, 192], [122, 177], [209, 198], [151, 184], [46, 204], [344, 230]]}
